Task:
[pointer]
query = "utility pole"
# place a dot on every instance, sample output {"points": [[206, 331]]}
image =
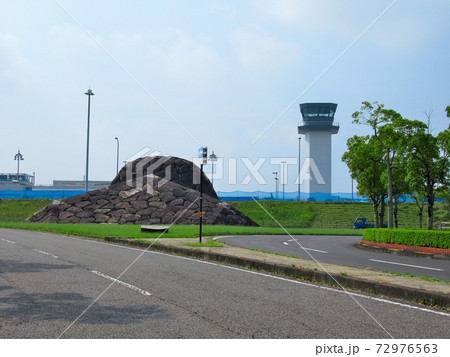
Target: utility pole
{"points": [[352, 189], [276, 184], [299, 166], [88, 93], [213, 158], [203, 154], [19, 158], [283, 181], [117, 156]]}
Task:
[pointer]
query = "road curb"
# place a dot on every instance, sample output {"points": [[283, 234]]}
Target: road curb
{"points": [[399, 250], [368, 286]]}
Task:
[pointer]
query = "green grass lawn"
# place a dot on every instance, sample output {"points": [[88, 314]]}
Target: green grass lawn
{"points": [[297, 217], [18, 210], [320, 214], [176, 231]]}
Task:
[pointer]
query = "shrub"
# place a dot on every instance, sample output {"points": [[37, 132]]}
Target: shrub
{"points": [[420, 238]]}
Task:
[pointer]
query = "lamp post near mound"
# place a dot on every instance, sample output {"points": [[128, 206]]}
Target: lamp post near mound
{"points": [[117, 156], [202, 154], [213, 159], [88, 93], [276, 184]]}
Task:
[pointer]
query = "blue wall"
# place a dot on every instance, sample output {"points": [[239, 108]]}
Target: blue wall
{"points": [[28, 194], [224, 196]]}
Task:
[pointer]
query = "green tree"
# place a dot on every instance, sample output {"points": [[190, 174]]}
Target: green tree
{"points": [[384, 123], [444, 145], [426, 163], [364, 158]]}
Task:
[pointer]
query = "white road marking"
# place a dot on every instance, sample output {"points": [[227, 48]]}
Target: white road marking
{"points": [[315, 250], [353, 237], [219, 237], [8, 241], [292, 281], [42, 252], [407, 265], [132, 287], [301, 247], [314, 238]]}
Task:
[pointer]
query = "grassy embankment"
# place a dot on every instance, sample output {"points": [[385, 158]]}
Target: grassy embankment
{"points": [[324, 214], [298, 218]]}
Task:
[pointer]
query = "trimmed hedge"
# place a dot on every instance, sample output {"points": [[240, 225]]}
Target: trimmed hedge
{"points": [[419, 238]]}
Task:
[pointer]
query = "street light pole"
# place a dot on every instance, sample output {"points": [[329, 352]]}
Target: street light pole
{"points": [[276, 184], [299, 166], [213, 158], [117, 164], [284, 176], [19, 158], [88, 93], [352, 189]]}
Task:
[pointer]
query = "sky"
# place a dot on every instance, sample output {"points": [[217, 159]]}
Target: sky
{"points": [[172, 76]]}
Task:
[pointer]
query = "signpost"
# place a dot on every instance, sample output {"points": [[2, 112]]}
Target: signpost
{"points": [[202, 154]]}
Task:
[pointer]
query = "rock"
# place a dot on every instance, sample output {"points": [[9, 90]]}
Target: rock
{"points": [[82, 204], [129, 193], [147, 211], [101, 218], [176, 202], [146, 199], [102, 202], [85, 214], [65, 215], [102, 210], [122, 204], [167, 219], [140, 205]]}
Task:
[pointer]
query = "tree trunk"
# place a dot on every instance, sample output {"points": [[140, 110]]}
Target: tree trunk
{"points": [[430, 217], [375, 213], [389, 189], [430, 205], [382, 212], [420, 216], [448, 200], [396, 211], [420, 204]]}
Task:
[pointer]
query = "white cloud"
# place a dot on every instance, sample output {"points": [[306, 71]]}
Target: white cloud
{"points": [[400, 33], [15, 69], [225, 9], [173, 56], [193, 62], [402, 27], [259, 50], [310, 14]]}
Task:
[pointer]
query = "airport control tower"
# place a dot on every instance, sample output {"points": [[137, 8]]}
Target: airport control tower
{"points": [[317, 126]]}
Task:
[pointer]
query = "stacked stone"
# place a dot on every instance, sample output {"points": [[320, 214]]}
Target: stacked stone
{"points": [[127, 203]]}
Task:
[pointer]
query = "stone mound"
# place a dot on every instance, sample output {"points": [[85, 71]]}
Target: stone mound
{"points": [[156, 190]]}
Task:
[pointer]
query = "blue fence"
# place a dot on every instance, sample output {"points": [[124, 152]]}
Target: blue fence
{"points": [[29, 194], [224, 196], [289, 196]]}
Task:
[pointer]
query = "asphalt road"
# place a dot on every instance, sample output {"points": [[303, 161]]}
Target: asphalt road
{"points": [[48, 281], [339, 250]]}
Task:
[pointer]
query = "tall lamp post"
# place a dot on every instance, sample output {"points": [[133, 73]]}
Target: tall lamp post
{"points": [[117, 156], [212, 158], [299, 166], [276, 184], [19, 158], [88, 93], [352, 189], [283, 181]]}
